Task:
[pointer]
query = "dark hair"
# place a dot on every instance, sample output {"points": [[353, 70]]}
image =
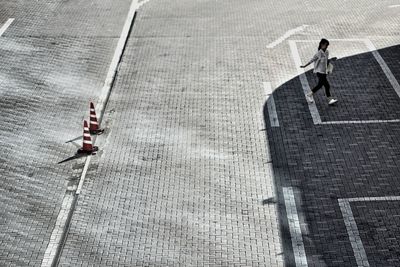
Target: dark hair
{"points": [[323, 41]]}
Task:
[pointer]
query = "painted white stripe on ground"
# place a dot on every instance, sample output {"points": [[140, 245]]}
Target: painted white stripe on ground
{"points": [[62, 218], [344, 40], [392, 6], [294, 228], [384, 66], [112, 70], [5, 26], [106, 90], [354, 235], [286, 35], [273, 115], [267, 89], [304, 82], [385, 198], [360, 122], [58, 230], [83, 175], [142, 3], [351, 225]]}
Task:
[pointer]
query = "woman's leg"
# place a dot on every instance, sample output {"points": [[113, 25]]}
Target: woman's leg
{"points": [[320, 83], [326, 85]]}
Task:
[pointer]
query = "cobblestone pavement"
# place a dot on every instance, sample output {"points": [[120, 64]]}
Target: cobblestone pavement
{"points": [[183, 168], [343, 171], [54, 57], [184, 175]]}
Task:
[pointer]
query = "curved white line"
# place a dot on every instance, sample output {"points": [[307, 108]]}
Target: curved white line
{"points": [[286, 35]]}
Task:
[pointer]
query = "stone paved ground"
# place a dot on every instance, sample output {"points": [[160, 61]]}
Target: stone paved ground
{"points": [[325, 163], [183, 167], [54, 57]]}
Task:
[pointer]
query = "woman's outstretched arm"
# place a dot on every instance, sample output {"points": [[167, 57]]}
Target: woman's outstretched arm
{"points": [[314, 58]]}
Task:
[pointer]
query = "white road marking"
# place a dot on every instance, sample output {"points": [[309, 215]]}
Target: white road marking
{"points": [[83, 175], [351, 225], [294, 228], [112, 70], [383, 65], [273, 115], [267, 89], [304, 82], [58, 231], [286, 35], [354, 234], [392, 6], [5, 26], [338, 40], [360, 122], [142, 3], [62, 219], [306, 87]]}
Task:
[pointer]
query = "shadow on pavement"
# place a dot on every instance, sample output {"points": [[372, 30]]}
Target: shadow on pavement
{"points": [[326, 162]]}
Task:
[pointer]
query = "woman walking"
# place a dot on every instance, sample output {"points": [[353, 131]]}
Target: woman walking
{"points": [[321, 61]]}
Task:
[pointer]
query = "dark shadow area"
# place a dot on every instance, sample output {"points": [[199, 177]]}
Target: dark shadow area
{"points": [[80, 153], [76, 156], [327, 162], [74, 139], [269, 201]]}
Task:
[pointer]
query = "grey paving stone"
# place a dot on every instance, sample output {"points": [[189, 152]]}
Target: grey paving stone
{"points": [[181, 173], [378, 222], [182, 170], [46, 82], [327, 162]]}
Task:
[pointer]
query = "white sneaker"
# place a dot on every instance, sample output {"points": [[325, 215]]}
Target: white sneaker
{"points": [[332, 101], [309, 97]]}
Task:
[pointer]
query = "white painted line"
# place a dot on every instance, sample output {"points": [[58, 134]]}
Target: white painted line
{"points": [[142, 3], [83, 175], [267, 89], [384, 66], [392, 6], [5, 26], [354, 235], [55, 242], [58, 231], [273, 115], [351, 225], [304, 82], [286, 35], [360, 122], [112, 70], [339, 40], [385, 198], [294, 228]]}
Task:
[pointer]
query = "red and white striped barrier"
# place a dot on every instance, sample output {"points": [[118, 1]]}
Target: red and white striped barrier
{"points": [[87, 146], [94, 124]]}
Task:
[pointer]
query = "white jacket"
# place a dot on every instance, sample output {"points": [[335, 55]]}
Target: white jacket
{"points": [[320, 60]]}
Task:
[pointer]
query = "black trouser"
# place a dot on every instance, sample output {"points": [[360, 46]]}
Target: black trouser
{"points": [[322, 81]]}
